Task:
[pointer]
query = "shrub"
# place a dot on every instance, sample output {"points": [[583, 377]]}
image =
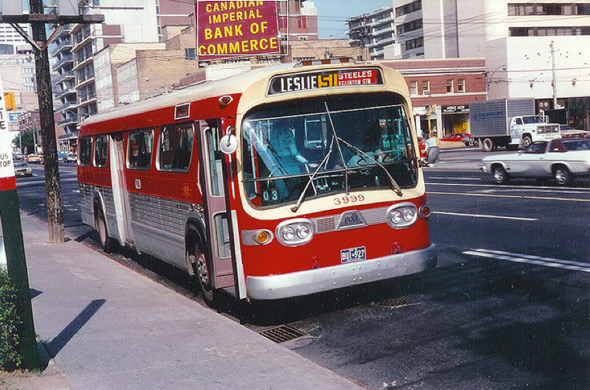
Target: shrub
{"points": [[11, 326]]}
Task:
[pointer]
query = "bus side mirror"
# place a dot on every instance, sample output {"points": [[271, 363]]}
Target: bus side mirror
{"points": [[228, 144]]}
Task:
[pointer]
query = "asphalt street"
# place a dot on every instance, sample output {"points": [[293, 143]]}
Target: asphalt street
{"points": [[506, 308]]}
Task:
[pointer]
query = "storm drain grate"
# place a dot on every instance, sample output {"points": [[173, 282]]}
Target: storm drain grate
{"points": [[406, 300], [282, 333]]}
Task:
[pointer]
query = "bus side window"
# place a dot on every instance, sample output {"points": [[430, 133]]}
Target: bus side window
{"points": [[85, 151], [139, 150], [100, 151], [214, 157], [176, 147]]}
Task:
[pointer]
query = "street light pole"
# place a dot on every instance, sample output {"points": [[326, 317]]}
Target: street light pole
{"points": [[553, 78]]}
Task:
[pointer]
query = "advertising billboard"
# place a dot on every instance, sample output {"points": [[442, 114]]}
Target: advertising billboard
{"points": [[236, 28]]}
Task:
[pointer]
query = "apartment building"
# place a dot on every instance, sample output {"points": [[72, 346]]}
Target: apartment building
{"points": [[532, 49], [132, 21], [376, 32]]}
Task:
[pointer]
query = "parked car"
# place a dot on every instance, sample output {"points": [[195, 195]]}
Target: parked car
{"points": [[18, 156], [21, 169], [567, 132], [455, 137], [561, 159], [66, 157], [34, 159]]}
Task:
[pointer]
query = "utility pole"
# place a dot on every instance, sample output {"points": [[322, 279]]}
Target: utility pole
{"points": [[55, 219], [38, 20], [554, 79]]}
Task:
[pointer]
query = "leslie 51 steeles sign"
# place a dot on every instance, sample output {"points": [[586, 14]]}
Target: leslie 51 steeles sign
{"points": [[236, 28]]}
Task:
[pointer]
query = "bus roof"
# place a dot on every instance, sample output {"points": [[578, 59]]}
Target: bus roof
{"points": [[208, 89]]}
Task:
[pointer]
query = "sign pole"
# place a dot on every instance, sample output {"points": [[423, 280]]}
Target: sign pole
{"points": [[13, 242]]}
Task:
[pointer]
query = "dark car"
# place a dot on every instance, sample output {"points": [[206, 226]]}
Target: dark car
{"points": [[21, 169]]}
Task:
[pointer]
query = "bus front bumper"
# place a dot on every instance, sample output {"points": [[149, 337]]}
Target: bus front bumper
{"points": [[330, 278]]}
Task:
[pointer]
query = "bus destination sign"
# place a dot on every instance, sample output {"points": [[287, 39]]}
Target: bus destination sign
{"points": [[307, 81]]}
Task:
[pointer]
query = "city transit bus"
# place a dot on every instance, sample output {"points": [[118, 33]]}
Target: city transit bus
{"points": [[280, 182]]}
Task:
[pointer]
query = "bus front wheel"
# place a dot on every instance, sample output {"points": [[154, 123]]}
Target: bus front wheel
{"points": [[202, 274], [107, 243]]}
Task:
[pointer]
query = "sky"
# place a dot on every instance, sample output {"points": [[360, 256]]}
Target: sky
{"points": [[332, 14]]}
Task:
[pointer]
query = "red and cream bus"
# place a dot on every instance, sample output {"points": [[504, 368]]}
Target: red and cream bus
{"points": [[280, 182]]}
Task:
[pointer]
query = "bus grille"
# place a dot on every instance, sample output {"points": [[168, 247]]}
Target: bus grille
{"points": [[324, 225]]}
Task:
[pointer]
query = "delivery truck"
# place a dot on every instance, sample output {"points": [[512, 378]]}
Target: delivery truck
{"points": [[509, 123]]}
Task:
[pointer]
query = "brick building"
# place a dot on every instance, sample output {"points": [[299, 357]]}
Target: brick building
{"points": [[442, 90]]}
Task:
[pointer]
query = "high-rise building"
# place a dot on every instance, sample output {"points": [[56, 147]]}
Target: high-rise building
{"points": [[374, 31], [11, 42], [532, 49]]}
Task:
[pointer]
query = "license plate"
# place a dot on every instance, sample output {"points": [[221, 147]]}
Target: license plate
{"points": [[353, 254]]}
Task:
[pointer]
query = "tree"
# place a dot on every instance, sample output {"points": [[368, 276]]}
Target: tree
{"points": [[26, 142]]}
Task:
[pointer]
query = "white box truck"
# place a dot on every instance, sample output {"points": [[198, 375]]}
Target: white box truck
{"points": [[509, 123]]}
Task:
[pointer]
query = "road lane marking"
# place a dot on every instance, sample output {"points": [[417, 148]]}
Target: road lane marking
{"points": [[453, 178], [530, 259], [486, 216], [508, 196], [513, 188]]}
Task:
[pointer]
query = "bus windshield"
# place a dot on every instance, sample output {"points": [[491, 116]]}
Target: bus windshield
{"points": [[321, 146]]}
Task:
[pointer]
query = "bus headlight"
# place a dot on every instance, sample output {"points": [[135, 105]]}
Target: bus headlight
{"points": [[295, 232], [402, 215]]}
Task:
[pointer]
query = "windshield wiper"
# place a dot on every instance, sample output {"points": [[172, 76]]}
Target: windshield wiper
{"points": [[323, 163], [396, 188], [362, 154]]}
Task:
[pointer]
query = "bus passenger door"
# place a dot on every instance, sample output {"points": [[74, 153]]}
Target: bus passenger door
{"points": [[119, 185], [212, 181]]}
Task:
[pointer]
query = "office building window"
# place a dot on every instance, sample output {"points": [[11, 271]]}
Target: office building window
{"points": [[548, 31], [408, 8], [461, 85], [528, 9], [414, 43], [426, 87], [190, 54], [450, 86], [410, 26], [302, 21], [414, 87]]}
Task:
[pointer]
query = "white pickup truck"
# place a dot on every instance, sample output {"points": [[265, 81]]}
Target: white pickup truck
{"points": [[509, 123], [526, 129]]}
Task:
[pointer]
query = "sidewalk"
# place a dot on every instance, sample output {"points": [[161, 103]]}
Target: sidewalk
{"points": [[108, 327]]}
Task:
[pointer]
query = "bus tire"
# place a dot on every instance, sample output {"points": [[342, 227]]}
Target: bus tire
{"points": [[489, 144], [198, 259], [107, 242]]}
